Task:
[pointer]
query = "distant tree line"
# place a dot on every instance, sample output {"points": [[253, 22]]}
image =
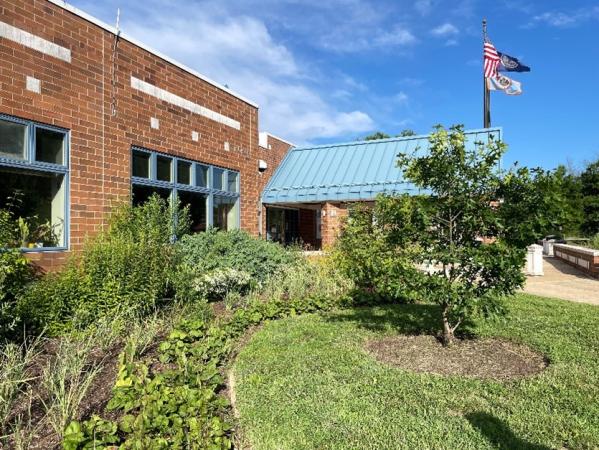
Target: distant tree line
{"points": [[580, 199], [571, 196], [382, 135]]}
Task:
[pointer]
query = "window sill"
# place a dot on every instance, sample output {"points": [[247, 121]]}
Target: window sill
{"points": [[44, 249]]}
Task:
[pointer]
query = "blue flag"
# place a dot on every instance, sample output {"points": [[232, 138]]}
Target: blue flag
{"points": [[510, 64]]}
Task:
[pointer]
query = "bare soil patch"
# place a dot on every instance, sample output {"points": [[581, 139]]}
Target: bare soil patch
{"points": [[486, 358]]}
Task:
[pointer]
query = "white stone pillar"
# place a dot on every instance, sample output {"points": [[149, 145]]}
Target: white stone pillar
{"points": [[534, 260], [548, 247]]}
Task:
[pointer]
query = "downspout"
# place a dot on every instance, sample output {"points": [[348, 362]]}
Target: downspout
{"points": [[260, 210]]}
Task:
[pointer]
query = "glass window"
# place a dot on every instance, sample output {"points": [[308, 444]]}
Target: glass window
{"points": [[49, 146], [36, 201], [225, 212], [163, 168], [141, 164], [183, 172], [141, 194], [197, 208], [218, 175], [13, 137], [275, 224], [201, 175], [232, 181]]}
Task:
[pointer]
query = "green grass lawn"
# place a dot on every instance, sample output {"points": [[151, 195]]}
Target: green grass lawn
{"points": [[307, 383]]}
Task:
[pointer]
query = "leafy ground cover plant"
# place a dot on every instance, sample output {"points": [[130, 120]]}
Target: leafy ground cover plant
{"points": [[178, 404], [70, 377]]}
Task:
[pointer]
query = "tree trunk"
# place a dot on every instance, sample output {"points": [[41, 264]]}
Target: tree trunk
{"points": [[447, 330]]}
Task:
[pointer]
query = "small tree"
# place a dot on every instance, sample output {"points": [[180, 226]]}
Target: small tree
{"points": [[471, 241]]}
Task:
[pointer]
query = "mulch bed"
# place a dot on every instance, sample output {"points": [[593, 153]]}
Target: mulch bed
{"points": [[486, 358], [30, 404]]}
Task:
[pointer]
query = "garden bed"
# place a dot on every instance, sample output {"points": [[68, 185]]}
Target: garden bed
{"points": [[493, 359]]}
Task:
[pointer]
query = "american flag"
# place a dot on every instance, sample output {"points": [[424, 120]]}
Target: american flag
{"points": [[491, 60]]}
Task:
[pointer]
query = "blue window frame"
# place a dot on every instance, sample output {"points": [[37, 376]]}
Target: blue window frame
{"points": [[211, 204], [34, 168]]}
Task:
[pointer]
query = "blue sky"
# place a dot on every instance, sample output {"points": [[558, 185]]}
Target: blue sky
{"points": [[335, 70]]}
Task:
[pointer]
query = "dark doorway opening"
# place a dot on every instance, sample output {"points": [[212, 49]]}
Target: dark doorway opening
{"points": [[282, 225]]}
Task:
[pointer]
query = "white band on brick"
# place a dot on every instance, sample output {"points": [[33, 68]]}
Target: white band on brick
{"points": [[173, 99], [35, 42]]}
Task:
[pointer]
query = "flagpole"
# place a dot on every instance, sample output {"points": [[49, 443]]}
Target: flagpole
{"points": [[486, 93]]}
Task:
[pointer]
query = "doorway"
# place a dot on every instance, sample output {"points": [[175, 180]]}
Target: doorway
{"points": [[282, 225]]}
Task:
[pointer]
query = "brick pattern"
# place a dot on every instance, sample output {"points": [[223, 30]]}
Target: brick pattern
{"points": [[331, 222], [307, 229], [583, 259], [78, 96]]}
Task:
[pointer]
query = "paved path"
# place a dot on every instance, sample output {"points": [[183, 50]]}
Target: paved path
{"points": [[565, 282]]}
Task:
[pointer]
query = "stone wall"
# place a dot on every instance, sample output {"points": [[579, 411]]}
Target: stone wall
{"points": [[584, 259]]}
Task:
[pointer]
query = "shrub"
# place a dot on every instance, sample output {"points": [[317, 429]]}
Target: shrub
{"points": [[206, 252], [308, 282], [594, 242], [364, 253], [217, 284], [126, 268], [15, 273]]}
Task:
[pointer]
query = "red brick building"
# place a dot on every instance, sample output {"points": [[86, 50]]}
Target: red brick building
{"points": [[90, 117], [315, 187]]}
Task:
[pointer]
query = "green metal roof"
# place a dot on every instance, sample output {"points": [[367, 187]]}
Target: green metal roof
{"points": [[350, 171]]}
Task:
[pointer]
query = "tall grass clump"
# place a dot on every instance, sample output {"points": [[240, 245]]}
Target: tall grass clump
{"points": [[66, 379], [127, 268], [14, 361]]}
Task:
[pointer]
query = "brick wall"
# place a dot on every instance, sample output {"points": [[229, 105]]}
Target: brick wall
{"points": [[307, 228], [77, 95], [331, 222], [584, 259]]}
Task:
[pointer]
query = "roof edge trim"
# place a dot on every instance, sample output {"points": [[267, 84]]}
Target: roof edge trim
{"points": [[395, 139], [278, 138], [78, 12]]}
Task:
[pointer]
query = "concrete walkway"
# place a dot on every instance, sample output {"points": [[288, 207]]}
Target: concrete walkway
{"points": [[565, 282]]}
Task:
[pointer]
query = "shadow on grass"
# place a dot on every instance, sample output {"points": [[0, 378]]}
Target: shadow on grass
{"points": [[406, 319], [498, 433], [412, 319]]}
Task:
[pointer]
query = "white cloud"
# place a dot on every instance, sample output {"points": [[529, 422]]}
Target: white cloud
{"points": [[566, 19], [445, 30], [398, 37], [239, 51], [339, 41]]}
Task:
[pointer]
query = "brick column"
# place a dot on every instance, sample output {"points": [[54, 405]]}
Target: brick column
{"points": [[332, 215]]}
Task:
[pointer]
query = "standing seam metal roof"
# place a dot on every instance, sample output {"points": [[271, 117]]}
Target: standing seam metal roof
{"points": [[349, 171]]}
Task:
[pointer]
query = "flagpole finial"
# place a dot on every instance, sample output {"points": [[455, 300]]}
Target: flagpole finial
{"points": [[484, 27]]}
